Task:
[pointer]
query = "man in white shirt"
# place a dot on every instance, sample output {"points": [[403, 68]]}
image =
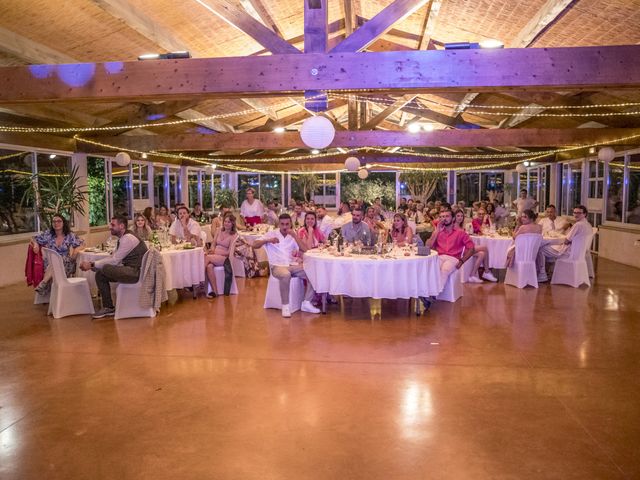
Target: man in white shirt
{"points": [[344, 215], [553, 223], [525, 202], [297, 216], [123, 266], [282, 244], [185, 228], [271, 215], [325, 222], [582, 229]]}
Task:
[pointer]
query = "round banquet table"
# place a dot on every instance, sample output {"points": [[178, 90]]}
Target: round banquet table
{"points": [[497, 246], [373, 276], [182, 268]]}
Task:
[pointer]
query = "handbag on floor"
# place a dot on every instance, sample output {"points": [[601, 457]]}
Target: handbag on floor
{"points": [[228, 276]]}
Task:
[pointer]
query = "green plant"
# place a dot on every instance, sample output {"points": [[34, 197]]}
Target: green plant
{"points": [[57, 191], [308, 182], [378, 184], [422, 184], [226, 198]]}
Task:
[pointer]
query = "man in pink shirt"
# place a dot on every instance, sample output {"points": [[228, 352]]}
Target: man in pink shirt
{"points": [[453, 245]]}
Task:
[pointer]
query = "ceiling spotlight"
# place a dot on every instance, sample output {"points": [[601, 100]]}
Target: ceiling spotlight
{"points": [[144, 155], [592, 150], [278, 130], [52, 156], [526, 163], [491, 43], [428, 127], [149, 56], [315, 151], [414, 127], [165, 56]]}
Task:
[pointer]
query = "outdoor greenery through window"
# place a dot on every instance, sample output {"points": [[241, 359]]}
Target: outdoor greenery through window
{"points": [[633, 188], [97, 191], [16, 215], [377, 184], [615, 190]]}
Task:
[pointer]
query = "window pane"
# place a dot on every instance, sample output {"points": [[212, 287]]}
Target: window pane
{"points": [[193, 188], [55, 194], [120, 185], [207, 198], [97, 191], [614, 190], [467, 187], [377, 184], [326, 191], [174, 183], [16, 216], [270, 188], [493, 186], [158, 187], [633, 203]]}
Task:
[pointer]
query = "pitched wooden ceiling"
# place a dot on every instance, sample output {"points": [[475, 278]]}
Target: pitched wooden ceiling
{"points": [[46, 32]]}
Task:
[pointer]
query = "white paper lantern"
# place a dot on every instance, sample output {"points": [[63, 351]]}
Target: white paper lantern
{"points": [[352, 164], [363, 173], [209, 169], [606, 154], [123, 159], [521, 168], [317, 132]]}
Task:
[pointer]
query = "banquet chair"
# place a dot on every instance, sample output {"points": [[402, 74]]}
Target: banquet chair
{"points": [[128, 297], [69, 296], [219, 274], [452, 290], [203, 237], [588, 256], [523, 272], [39, 299], [572, 269], [272, 298], [467, 267]]}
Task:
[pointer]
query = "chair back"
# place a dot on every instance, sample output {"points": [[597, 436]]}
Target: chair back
{"points": [[55, 260], [145, 260], [527, 246], [580, 244], [203, 237]]}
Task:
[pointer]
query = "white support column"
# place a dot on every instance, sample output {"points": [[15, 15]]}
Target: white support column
{"points": [[151, 184], [79, 161], [397, 189], [183, 185]]}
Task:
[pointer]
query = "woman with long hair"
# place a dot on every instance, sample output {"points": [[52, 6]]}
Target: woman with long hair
{"points": [[481, 257], [163, 219], [62, 240], [401, 232], [310, 234], [222, 249], [150, 214], [141, 228], [527, 224]]}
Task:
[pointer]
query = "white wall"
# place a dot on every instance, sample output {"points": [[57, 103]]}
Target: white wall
{"points": [[621, 245]]}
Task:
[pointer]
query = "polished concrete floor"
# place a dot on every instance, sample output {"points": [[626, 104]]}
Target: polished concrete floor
{"points": [[503, 384]]}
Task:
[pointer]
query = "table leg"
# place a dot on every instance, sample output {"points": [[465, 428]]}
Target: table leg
{"points": [[195, 291], [417, 300], [324, 303]]}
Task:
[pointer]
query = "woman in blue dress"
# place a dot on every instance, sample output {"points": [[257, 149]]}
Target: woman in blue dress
{"points": [[62, 240]]}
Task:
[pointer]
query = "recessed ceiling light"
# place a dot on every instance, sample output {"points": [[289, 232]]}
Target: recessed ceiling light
{"points": [[414, 127], [149, 56], [144, 155], [526, 164], [52, 156], [428, 127], [491, 43], [279, 130], [315, 151]]}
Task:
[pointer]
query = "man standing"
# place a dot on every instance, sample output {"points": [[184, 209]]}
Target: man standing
{"points": [[582, 229], [551, 223], [185, 228], [325, 222], [525, 202], [357, 229], [282, 245], [123, 266], [453, 245]]}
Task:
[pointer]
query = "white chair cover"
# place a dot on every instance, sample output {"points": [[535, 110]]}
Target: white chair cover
{"points": [[467, 268], [453, 288], [203, 237], [572, 269], [128, 297], [219, 274], [40, 299], [69, 296], [523, 272], [272, 298]]}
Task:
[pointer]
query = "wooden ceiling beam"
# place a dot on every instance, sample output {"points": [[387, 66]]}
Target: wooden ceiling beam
{"points": [[433, 9], [30, 51], [378, 25], [248, 25], [261, 14], [559, 69], [387, 112], [379, 138]]}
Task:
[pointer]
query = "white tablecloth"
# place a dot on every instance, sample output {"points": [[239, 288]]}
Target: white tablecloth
{"points": [[362, 276], [182, 268], [497, 247]]}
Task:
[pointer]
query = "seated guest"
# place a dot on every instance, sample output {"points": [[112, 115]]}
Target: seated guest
{"points": [[297, 216], [140, 228], [481, 255], [500, 214], [454, 247], [481, 221], [185, 228], [150, 215], [174, 214], [216, 222], [357, 230], [415, 214], [163, 219], [122, 266], [251, 209], [344, 215], [222, 248], [284, 244], [401, 233], [325, 222], [271, 215], [553, 223], [198, 215], [527, 224], [372, 219], [580, 230], [62, 240], [311, 235]]}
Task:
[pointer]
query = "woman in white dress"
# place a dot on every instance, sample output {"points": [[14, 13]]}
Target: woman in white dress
{"points": [[252, 209]]}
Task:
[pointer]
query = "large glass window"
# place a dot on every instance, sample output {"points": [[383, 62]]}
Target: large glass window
{"points": [[633, 190], [492, 186], [121, 189], [615, 190], [377, 184], [160, 186], [245, 182], [16, 215], [571, 187], [96, 181], [194, 195], [174, 187], [270, 187], [468, 187]]}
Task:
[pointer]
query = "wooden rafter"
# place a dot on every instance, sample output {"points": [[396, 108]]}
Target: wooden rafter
{"points": [[261, 14], [378, 25], [433, 9], [387, 112], [382, 138]]}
